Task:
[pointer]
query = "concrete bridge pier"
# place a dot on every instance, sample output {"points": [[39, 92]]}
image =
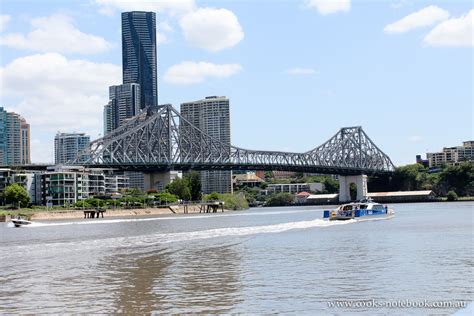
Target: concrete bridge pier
{"points": [[344, 187], [158, 180]]}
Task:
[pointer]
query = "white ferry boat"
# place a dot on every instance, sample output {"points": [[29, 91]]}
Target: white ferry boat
{"points": [[364, 209]]}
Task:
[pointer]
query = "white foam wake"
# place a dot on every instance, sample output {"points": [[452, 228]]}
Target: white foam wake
{"points": [[150, 219], [162, 238]]}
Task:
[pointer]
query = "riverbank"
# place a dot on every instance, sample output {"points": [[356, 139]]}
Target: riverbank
{"points": [[109, 213]]}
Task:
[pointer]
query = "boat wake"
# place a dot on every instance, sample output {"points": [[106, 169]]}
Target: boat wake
{"points": [[375, 219], [164, 238], [151, 219]]}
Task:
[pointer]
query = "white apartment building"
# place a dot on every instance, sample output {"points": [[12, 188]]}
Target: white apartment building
{"points": [[452, 155], [294, 188]]}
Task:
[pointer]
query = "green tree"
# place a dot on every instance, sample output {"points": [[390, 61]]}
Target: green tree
{"points": [[409, 177], [299, 175], [133, 192], [331, 185], [280, 199], [268, 175], [452, 196], [194, 182], [167, 198], [95, 202], [234, 201], [214, 196], [459, 179], [82, 204], [180, 188], [16, 195]]}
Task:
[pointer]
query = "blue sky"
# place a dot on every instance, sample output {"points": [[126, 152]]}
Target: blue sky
{"points": [[295, 71]]}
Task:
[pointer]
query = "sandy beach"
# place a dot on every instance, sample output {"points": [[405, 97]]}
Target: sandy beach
{"points": [[72, 214]]}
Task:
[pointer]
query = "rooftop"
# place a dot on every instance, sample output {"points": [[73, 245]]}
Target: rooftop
{"points": [[400, 193]]}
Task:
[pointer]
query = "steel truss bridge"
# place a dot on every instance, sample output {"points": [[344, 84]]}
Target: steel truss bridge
{"points": [[163, 140]]}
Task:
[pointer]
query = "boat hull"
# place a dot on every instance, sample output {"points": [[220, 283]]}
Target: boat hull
{"points": [[20, 222], [340, 218], [357, 214]]}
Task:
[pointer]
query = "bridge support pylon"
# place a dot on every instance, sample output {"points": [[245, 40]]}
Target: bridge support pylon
{"points": [[158, 180], [344, 187]]}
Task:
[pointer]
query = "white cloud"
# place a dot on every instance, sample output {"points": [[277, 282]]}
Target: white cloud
{"points": [[161, 31], [424, 17], [110, 7], [189, 72], [325, 7], [453, 32], [211, 29], [400, 4], [301, 71], [4, 19], [57, 94], [165, 26], [161, 38], [56, 33]]}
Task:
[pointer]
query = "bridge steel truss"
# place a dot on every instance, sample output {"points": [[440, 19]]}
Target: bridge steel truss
{"points": [[162, 140]]}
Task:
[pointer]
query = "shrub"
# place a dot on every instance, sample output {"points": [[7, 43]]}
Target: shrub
{"points": [[234, 202], [280, 199], [452, 196]]}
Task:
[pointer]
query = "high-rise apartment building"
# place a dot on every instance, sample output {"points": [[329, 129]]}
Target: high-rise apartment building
{"points": [[139, 54], [124, 103], [212, 116], [14, 139], [68, 145]]}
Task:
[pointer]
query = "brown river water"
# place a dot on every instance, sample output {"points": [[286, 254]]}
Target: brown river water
{"points": [[260, 261]]}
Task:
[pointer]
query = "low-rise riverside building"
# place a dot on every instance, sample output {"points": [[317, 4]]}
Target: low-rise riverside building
{"points": [[318, 199], [380, 197], [63, 185], [249, 179], [403, 196], [301, 197], [27, 179], [295, 187]]}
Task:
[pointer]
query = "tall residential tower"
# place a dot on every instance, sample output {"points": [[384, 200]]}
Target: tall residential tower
{"points": [[139, 54], [124, 103], [14, 139], [212, 116], [68, 145], [140, 81]]}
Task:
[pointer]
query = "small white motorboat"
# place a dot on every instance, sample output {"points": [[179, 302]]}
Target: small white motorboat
{"points": [[19, 222]]}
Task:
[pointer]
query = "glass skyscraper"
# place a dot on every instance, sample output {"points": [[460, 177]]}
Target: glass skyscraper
{"points": [[124, 103], [139, 54]]}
